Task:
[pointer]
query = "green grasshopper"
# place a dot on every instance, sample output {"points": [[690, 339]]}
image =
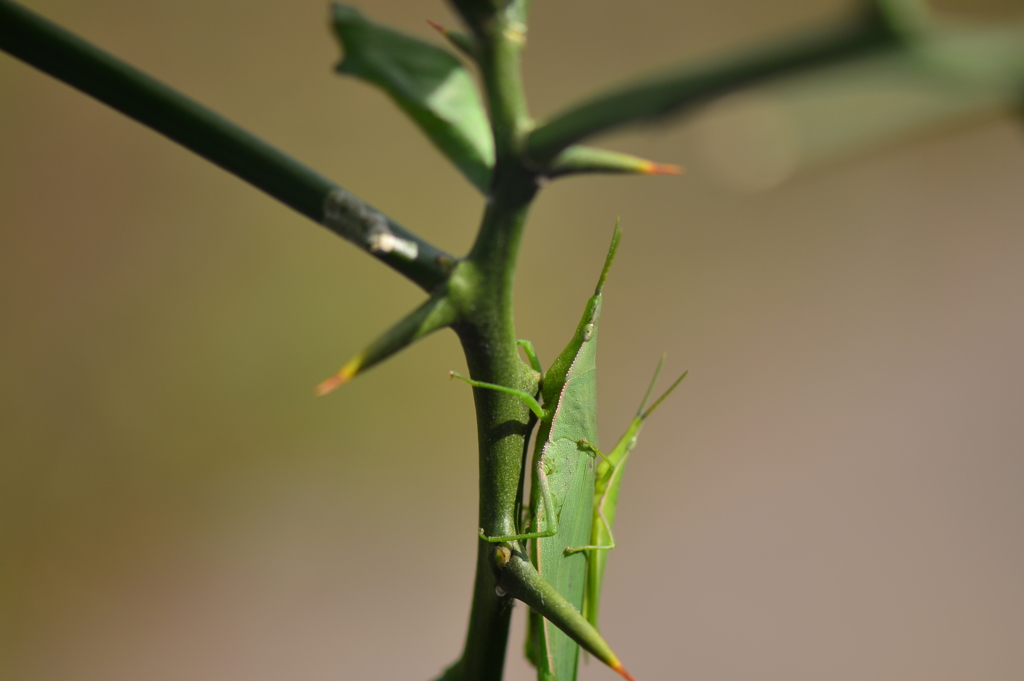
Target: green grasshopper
{"points": [[564, 506], [606, 498]]}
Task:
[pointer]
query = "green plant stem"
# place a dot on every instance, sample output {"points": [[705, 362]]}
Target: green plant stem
{"points": [[481, 287], [677, 91], [52, 49], [487, 333]]}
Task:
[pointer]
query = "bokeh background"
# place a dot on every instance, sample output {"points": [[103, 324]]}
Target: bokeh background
{"points": [[834, 492]]}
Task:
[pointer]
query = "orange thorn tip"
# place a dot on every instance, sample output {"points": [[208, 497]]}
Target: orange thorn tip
{"points": [[652, 168], [341, 378], [438, 27], [622, 670]]}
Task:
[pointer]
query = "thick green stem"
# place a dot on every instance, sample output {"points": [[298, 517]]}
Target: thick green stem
{"points": [[488, 338], [481, 287], [67, 57]]}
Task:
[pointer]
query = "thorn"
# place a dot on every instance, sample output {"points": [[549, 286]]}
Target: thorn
{"points": [[342, 377], [652, 168], [438, 27], [622, 670]]}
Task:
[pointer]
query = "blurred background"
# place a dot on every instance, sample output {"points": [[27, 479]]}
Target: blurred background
{"points": [[834, 492]]}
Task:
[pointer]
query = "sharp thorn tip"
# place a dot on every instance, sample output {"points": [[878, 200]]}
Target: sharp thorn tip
{"points": [[327, 386], [622, 670], [652, 168], [341, 378]]}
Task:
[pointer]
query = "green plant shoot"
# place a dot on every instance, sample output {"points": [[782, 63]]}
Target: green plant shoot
{"points": [[606, 497], [562, 497]]}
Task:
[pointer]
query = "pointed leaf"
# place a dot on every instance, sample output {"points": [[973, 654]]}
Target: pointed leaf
{"points": [[427, 82], [519, 579], [436, 313], [580, 159]]}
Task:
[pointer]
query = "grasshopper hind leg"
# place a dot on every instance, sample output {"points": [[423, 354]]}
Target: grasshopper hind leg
{"points": [[550, 520], [615, 472]]}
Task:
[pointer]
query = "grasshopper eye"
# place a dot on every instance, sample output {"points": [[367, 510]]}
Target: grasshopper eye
{"points": [[588, 332]]}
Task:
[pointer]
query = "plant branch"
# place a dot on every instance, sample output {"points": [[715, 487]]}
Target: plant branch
{"points": [[679, 90], [481, 289], [52, 49]]}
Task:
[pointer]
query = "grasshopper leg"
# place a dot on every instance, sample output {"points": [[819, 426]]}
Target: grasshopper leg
{"points": [[550, 521], [614, 471]]}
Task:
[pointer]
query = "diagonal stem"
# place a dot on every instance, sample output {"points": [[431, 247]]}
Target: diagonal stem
{"points": [[679, 90], [61, 54]]}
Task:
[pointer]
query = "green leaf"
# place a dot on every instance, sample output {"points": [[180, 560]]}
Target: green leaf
{"points": [[427, 82]]}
